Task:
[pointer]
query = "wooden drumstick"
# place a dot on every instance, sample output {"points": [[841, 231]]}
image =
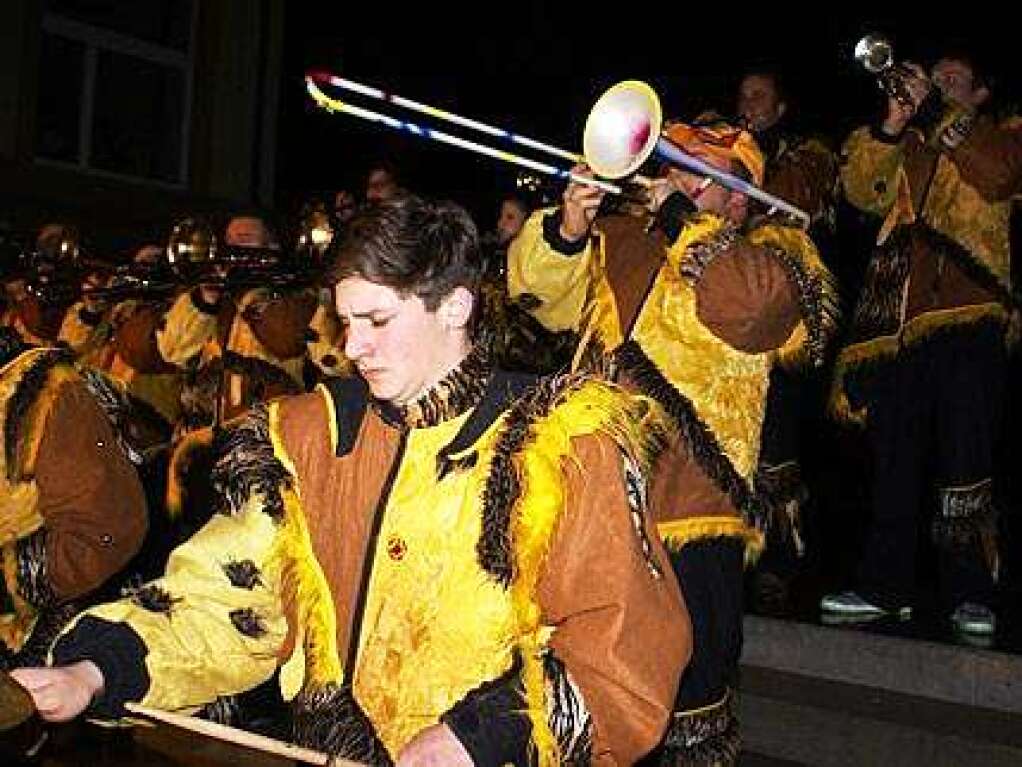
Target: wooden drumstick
{"points": [[241, 738]]}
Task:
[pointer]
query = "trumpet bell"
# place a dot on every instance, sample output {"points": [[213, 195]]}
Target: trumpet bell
{"points": [[622, 129], [191, 245], [875, 53]]}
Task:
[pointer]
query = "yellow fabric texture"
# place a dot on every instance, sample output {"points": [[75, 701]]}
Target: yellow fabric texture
{"points": [[678, 533], [874, 180], [726, 386], [436, 625], [561, 283], [185, 332], [87, 341], [194, 652]]}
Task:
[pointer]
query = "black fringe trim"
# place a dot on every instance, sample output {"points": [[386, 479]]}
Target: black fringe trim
{"points": [[878, 311], [152, 598], [570, 720], [245, 465], [816, 313], [243, 574], [248, 622], [47, 628], [329, 719], [11, 344], [33, 571], [707, 738], [460, 390], [225, 710], [502, 486], [633, 362], [25, 395]]}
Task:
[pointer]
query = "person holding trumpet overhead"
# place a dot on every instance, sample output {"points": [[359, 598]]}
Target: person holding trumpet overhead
{"points": [[694, 305], [940, 171]]}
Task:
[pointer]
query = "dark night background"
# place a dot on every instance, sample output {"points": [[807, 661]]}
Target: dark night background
{"points": [[538, 71]]}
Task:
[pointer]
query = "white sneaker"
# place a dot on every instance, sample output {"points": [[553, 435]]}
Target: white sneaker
{"points": [[851, 604], [973, 618]]}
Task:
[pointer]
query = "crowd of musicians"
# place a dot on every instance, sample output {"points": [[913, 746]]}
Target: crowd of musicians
{"points": [[411, 495]]}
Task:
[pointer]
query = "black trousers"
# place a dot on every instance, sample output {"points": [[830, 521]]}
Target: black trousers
{"points": [[933, 422]]}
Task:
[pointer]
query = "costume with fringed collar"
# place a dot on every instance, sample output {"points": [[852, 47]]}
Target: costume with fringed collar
{"points": [[481, 558]]}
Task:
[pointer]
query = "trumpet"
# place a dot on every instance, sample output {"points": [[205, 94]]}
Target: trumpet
{"points": [[876, 55], [196, 256], [622, 131], [58, 270]]}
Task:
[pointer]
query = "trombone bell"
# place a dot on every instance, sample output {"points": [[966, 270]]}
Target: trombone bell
{"points": [[622, 129]]}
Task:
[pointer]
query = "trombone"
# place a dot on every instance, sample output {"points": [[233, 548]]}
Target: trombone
{"points": [[623, 130]]}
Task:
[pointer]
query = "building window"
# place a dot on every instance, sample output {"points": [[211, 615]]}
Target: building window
{"points": [[115, 87]]}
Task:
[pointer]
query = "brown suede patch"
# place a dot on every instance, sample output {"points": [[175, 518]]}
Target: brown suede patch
{"points": [[746, 299]]}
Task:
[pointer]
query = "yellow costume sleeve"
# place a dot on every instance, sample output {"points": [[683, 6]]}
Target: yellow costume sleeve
{"points": [[185, 332], [550, 285], [73, 331], [213, 625], [871, 172]]}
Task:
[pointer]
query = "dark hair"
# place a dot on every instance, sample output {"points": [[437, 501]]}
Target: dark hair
{"points": [[414, 246]]}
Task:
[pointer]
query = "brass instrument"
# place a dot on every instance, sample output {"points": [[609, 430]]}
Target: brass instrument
{"points": [[197, 257], [876, 55], [623, 130]]}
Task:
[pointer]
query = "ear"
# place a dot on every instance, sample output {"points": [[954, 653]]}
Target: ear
{"points": [[979, 95], [456, 308], [782, 107]]}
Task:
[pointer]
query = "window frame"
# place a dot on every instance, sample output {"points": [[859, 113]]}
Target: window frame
{"points": [[94, 39]]}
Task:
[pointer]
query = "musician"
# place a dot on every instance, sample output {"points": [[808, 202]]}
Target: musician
{"points": [[800, 169], [71, 506], [694, 309], [86, 327], [925, 365], [451, 563], [803, 171], [38, 321], [382, 182], [258, 336], [153, 383]]}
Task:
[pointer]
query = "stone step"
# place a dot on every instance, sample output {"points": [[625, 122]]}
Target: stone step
{"points": [[820, 696]]}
